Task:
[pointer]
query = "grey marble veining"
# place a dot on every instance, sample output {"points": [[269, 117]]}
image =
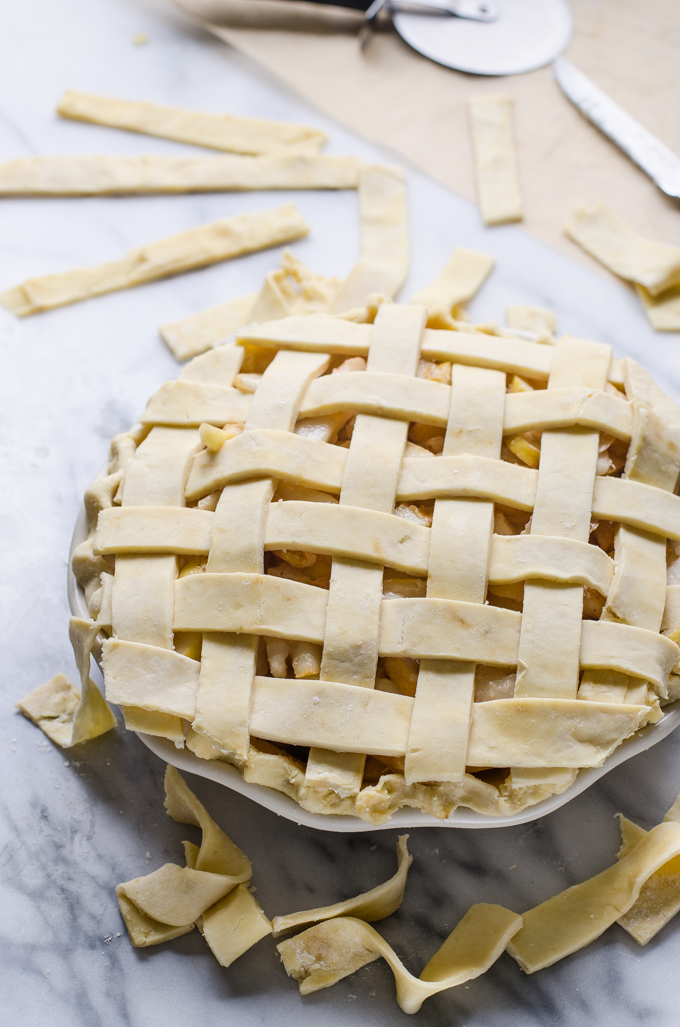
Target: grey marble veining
{"points": [[75, 824]]}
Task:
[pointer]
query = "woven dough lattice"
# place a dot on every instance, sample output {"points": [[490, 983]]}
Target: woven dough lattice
{"points": [[404, 581]]}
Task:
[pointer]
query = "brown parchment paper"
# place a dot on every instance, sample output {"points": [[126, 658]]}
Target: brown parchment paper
{"points": [[398, 99]]}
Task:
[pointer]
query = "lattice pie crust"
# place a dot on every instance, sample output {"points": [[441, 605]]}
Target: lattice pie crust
{"points": [[366, 591]]}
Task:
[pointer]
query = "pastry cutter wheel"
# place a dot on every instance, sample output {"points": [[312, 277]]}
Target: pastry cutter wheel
{"points": [[481, 37]]}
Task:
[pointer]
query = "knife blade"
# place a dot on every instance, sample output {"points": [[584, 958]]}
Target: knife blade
{"points": [[643, 148]]}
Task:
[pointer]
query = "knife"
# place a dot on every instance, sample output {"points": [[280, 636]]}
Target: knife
{"points": [[648, 152]]}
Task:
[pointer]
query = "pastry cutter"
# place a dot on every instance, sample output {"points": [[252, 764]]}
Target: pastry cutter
{"points": [[481, 37]]}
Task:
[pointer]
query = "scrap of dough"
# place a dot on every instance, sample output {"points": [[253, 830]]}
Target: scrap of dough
{"points": [[194, 248], [216, 131], [498, 190], [234, 924], [176, 895], [324, 954], [463, 275], [116, 175], [611, 240], [538, 320], [663, 310], [143, 930], [51, 707], [659, 898], [217, 853], [376, 904], [64, 714], [579, 915], [291, 289], [384, 259]]}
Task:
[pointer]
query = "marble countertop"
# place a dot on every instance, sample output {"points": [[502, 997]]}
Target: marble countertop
{"points": [[74, 824]]}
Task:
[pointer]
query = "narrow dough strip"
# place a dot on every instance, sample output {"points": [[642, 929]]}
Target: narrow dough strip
{"points": [[350, 651], [194, 248], [498, 191], [384, 260], [219, 366], [376, 904], [551, 622], [326, 953], [459, 557], [117, 175], [217, 131], [143, 599], [579, 915], [237, 545]]}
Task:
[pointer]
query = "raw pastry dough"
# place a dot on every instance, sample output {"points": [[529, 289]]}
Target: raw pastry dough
{"points": [[498, 190], [217, 131], [194, 248], [112, 176], [372, 905], [579, 915], [608, 238], [323, 955]]}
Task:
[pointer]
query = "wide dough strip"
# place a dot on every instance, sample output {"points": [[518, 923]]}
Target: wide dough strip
{"points": [[350, 651], [237, 545], [143, 596], [460, 544]]}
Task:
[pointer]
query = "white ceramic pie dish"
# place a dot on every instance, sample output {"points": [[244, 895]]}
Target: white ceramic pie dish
{"points": [[286, 807]]}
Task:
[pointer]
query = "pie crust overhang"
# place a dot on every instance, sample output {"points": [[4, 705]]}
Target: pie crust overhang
{"points": [[368, 591]]}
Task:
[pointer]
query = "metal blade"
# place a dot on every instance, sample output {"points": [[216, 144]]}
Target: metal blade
{"points": [[648, 152]]}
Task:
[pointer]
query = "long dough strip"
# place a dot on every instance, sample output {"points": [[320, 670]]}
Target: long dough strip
{"points": [[376, 904], [519, 732], [427, 402], [350, 644], [460, 542], [579, 915], [384, 260], [498, 191], [323, 955], [352, 532], [216, 131], [551, 619], [237, 544], [194, 248], [115, 176]]}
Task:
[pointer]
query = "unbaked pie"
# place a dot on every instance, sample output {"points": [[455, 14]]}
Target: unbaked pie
{"points": [[378, 565]]}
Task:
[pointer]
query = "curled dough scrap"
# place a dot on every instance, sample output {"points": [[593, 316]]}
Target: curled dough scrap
{"points": [[209, 891], [659, 898], [579, 915], [326, 953], [375, 904]]}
